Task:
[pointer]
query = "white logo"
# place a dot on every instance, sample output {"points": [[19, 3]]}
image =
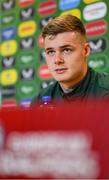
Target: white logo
{"points": [[26, 59], [8, 5], [27, 13], [26, 89], [58, 154], [27, 73], [8, 61], [94, 11], [97, 45], [27, 43], [7, 19]]}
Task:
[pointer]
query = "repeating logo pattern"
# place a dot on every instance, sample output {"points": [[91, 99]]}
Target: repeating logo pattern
{"points": [[8, 48], [8, 62], [23, 69], [97, 45], [8, 19], [96, 28], [27, 13], [8, 33], [8, 5], [95, 11], [68, 4]]}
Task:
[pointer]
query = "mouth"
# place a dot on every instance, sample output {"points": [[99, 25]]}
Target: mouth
{"points": [[61, 70]]}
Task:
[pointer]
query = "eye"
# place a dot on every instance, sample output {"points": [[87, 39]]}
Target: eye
{"points": [[50, 52], [67, 50]]}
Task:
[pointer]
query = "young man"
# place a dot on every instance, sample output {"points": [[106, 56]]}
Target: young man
{"points": [[66, 56]]}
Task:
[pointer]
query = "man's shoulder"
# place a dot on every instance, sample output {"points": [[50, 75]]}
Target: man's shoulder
{"points": [[103, 80], [48, 91], [99, 83], [100, 79]]}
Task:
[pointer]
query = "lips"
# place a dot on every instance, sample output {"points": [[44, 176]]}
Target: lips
{"points": [[60, 70]]}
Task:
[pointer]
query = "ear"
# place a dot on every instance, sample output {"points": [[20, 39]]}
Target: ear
{"points": [[41, 41], [87, 49]]}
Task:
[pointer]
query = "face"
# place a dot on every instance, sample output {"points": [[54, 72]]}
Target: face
{"points": [[66, 55]]}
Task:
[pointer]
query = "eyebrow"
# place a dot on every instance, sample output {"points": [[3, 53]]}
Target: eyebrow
{"points": [[60, 47]]}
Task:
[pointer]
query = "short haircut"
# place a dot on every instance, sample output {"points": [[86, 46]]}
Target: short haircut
{"points": [[64, 23]]}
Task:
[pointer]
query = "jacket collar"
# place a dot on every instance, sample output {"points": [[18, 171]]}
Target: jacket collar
{"points": [[79, 89]]}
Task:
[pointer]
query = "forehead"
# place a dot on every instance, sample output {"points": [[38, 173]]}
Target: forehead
{"points": [[71, 38]]}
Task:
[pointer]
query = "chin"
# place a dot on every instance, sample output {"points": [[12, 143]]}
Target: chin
{"points": [[62, 80]]}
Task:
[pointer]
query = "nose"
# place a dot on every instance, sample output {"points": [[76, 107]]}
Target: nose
{"points": [[58, 58]]}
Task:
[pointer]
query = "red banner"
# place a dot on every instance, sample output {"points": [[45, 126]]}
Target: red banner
{"points": [[58, 141]]}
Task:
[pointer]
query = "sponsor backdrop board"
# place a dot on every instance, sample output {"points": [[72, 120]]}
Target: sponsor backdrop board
{"points": [[23, 70]]}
